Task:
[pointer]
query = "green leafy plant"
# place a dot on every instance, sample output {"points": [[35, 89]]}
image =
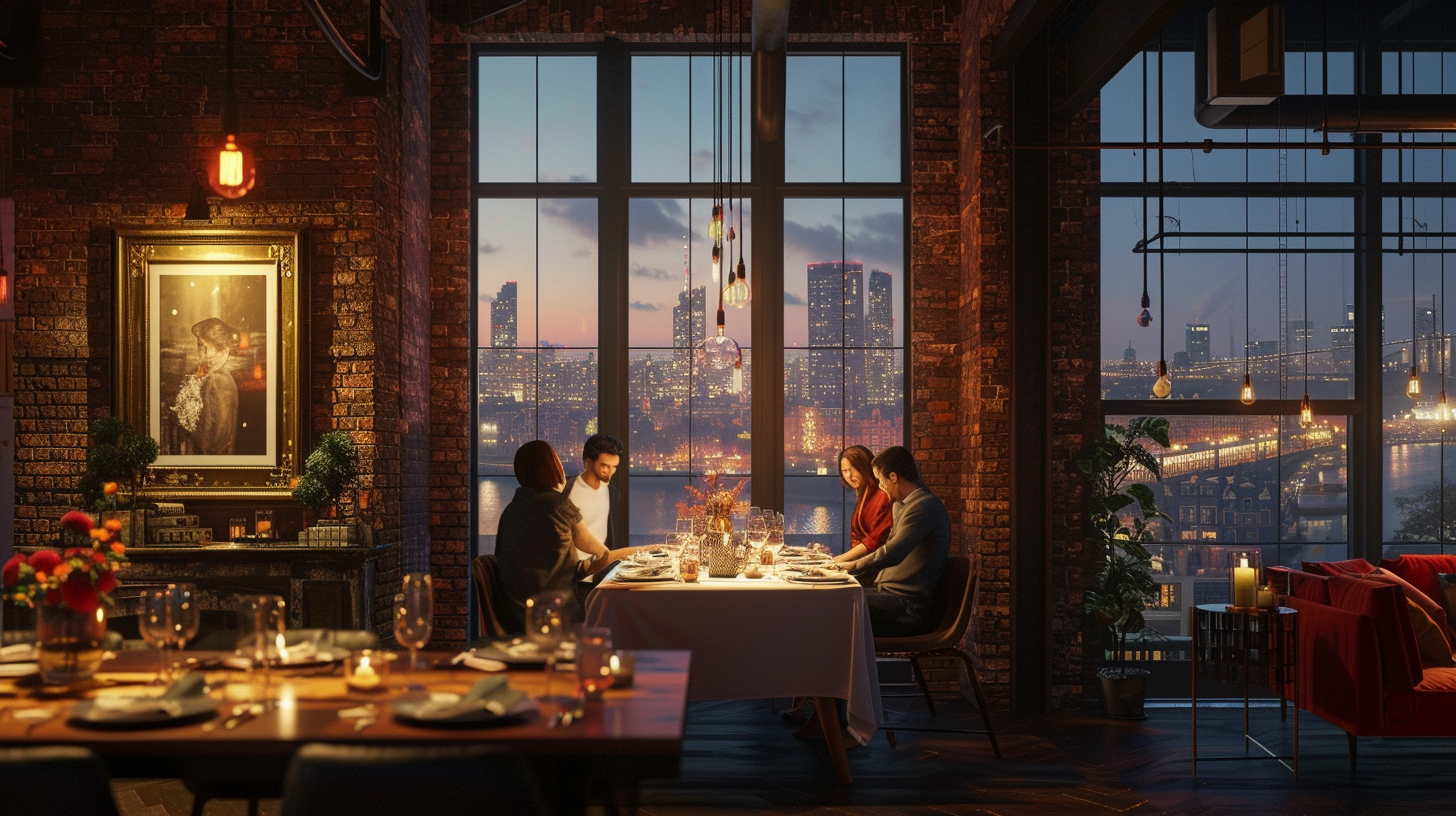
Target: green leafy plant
{"points": [[119, 456], [327, 472], [1119, 515]]}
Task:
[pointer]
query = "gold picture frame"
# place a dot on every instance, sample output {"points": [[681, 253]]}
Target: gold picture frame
{"points": [[209, 330]]}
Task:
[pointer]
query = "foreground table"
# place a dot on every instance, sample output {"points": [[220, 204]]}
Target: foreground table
{"points": [[634, 734], [757, 638]]}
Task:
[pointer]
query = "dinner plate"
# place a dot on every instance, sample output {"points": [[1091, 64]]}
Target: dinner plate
{"points": [[407, 708], [89, 714], [512, 653], [644, 579], [18, 669]]}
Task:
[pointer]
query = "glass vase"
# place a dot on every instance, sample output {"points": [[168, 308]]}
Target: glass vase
{"points": [[68, 643]]}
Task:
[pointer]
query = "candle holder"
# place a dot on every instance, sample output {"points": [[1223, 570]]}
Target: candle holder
{"points": [[1245, 573], [237, 529], [368, 670], [263, 523], [623, 665]]}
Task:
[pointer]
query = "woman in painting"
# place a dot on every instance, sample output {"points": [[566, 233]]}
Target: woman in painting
{"points": [[538, 535], [207, 403], [870, 522]]}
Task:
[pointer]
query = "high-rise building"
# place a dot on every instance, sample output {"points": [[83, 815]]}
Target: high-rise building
{"points": [[690, 318], [1301, 332], [1197, 344], [881, 322], [836, 321], [881, 378], [503, 317]]}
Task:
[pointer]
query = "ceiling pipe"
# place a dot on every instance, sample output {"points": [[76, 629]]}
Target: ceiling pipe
{"points": [[1337, 113], [770, 44]]}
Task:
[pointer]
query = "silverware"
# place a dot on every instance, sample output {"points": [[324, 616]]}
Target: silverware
{"points": [[363, 723], [249, 713], [237, 710]]}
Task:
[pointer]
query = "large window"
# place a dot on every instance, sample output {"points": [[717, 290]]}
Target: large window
{"points": [[567, 208]]}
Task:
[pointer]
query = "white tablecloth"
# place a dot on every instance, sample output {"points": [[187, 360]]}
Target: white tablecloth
{"points": [[754, 638]]}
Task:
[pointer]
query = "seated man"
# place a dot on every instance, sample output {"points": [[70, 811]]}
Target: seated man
{"points": [[907, 567], [592, 493]]}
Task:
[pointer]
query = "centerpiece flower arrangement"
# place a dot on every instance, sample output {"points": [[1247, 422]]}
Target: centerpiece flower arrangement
{"points": [[718, 503], [70, 591]]}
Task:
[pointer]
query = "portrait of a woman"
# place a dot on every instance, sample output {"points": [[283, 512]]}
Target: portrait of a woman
{"points": [[207, 403]]}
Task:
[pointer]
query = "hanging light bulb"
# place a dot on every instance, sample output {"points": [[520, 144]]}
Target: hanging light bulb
{"points": [[1413, 385], [230, 170], [1246, 394], [715, 227], [1164, 386], [737, 293], [1443, 409], [1306, 412], [719, 352], [717, 260], [738, 374]]}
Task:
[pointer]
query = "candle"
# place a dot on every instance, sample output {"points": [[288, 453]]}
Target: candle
{"points": [[1266, 598], [1244, 585], [364, 678]]}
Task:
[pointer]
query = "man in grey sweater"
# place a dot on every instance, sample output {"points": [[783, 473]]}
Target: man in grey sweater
{"points": [[907, 567]]}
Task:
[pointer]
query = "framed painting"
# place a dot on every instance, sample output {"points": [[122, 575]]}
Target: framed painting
{"points": [[208, 333]]}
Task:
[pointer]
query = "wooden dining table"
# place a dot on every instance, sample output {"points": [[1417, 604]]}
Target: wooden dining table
{"points": [[758, 638], [632, 734]]}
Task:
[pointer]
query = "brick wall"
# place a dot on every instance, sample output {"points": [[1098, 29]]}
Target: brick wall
{"points": [[126, 107]]}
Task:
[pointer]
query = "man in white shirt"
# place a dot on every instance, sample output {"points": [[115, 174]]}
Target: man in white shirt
{"points": [[592, 493]]}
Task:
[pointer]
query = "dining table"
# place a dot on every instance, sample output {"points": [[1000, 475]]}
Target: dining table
{"points": [[631, 734], [750, 638]]}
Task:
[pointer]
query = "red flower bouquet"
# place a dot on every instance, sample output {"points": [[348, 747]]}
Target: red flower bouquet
{"points": [[79, 577]]}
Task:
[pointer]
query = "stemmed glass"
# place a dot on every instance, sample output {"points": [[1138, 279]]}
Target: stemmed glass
{"points": [[757, 532], [156, 627], [183, 613], [262, 620], [775, 528], [414, 614], [546, 624]]}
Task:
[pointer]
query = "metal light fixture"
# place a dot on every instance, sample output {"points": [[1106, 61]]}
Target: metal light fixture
{"points": [[1164, 386], [230, 170], [1306, 412], [1246, 393]]}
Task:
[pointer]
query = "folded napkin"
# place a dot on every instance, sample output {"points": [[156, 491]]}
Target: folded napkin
{"points": [[18, 653], [484, 664], [493, 694], [168, 703], [646, 571]]}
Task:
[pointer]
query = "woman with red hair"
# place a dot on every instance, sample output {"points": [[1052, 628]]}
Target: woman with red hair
{"points": [[537, 535]]}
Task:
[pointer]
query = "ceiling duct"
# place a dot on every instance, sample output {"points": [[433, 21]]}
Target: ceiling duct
{"points": [[1239, 83], [770, 43]]}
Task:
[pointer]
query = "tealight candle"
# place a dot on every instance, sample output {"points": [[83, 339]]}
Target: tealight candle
{"points": [[623, 665], [366, 670], [1266, 597]]}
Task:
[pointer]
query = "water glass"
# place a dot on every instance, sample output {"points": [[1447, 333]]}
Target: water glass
{"points": [[262, 620], [156, 628], [547, 619], [687, 565], [183, 612], [414, 614], [593, 662]]}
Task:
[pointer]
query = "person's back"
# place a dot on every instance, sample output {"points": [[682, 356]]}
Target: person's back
{"points": [[534, 550]]}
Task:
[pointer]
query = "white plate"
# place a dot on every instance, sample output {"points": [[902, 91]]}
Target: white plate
{"points": [[18, 669], [818, 579], [644, 579]]}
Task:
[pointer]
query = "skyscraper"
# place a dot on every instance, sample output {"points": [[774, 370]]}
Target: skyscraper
{"points": [[690, 318], [881, 380], [503, 317], [882, 309], [1196, 343], [836, 321]]}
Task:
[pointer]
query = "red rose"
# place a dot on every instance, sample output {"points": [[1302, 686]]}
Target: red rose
{"points": [[45, 561], [77, 522], [12, 569], [106, 582], [80, 594]]}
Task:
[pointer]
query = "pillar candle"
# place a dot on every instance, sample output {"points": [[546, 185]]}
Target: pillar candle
{"points": [[1244, 587]]}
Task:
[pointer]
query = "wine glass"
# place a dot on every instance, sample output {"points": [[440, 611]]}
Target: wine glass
{"points": [[183, 613], [414, 614], [155, 626], [757, 531], [546, 623], [262, 619]]}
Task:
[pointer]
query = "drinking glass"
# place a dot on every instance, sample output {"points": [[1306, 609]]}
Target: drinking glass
{"points": [[183, 613], [414, 614], [156, 628], [593, 662], [262, 620], [546, 623], [776, 530]]}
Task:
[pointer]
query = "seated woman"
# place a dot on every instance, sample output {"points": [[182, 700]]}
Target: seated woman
{"points": [[538, 535], [870, 522]]}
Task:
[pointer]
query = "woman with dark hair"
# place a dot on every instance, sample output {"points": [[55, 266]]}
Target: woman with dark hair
{"points": [[870, 522], [207, 403], [538, 534]]}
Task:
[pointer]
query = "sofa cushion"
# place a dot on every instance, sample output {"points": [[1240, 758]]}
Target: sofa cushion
{"points": [[1447, 598], [1419, 598], [1434, 648], [1310, 587], [1355, 566], [1426, 711], [1400, 659], [1421, 571]]}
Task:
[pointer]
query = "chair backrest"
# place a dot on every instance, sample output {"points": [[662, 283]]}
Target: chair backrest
{"points": [[954, 603], [54, 781], [483, 576], [365, 781]]}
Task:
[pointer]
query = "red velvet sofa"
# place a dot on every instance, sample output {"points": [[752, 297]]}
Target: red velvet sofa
{"points": [[1358, 663]]}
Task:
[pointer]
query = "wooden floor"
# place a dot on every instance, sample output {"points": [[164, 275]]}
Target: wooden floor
{"points": [[739, 758]]}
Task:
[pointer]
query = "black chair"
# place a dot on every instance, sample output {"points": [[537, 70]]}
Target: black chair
{"points": [[494, 623], [365, 781], [55, 781], [954, 609]]}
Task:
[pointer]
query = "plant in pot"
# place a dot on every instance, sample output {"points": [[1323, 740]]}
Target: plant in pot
{"points": [[327, 472], [116, 468], [1120, 514]]}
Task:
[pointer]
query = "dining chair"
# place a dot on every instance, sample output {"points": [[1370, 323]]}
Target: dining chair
{"points": [[386, 781], [483, 576], [954, 608], [55, 781]]}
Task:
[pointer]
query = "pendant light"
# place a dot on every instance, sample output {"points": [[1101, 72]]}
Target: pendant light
{"points": [[230, 170], [1163, 387], [1246, 393], [1306, 411], [737, 293], [721, 352], [1443, 407]]}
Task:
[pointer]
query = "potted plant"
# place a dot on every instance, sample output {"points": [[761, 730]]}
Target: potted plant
{"points": [[1119, 515], [116, 468], [327, 472]]}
